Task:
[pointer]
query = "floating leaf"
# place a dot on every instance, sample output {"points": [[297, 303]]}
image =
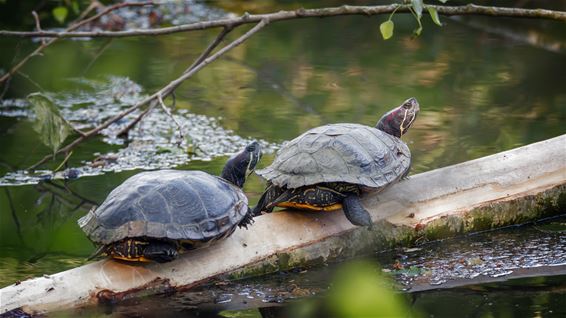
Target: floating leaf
{"points": [[434, 15], [386, 29], [60, 14], [418, 7], [51, 127]]}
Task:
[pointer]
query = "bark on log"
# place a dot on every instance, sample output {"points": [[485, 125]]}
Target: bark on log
{"points": [[511, 187]]}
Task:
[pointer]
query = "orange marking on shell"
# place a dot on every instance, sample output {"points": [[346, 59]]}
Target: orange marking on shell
{"points": [[133, 259], [302, 206]]}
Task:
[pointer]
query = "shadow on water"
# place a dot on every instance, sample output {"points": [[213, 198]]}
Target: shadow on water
{"points": [[481, 92]]}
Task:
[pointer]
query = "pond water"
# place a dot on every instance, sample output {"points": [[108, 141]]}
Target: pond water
{"points": [[481, 91]]}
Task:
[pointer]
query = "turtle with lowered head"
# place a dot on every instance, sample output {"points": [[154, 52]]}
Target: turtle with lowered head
{"points": [[154, 215], [329, 167]]}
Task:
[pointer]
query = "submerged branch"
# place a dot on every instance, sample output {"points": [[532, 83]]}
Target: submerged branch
{"points": [[164, 92], [470, 9], [14, 216]]}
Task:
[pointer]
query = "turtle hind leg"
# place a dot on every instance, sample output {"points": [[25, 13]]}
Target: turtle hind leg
{"points": [[160, 252], [355, 212]]}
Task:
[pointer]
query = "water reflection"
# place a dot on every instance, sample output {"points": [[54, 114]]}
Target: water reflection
{"points": [[480, 93]]}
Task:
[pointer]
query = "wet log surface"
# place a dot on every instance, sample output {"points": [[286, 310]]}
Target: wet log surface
{"points": [[516, 186]]}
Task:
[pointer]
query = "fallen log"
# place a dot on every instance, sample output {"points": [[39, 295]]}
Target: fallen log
{"points": [[512, 187]]}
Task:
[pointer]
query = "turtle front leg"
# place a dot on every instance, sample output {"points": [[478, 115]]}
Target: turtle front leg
{"points": [[271, 193], [247, 220], [355, 212]]}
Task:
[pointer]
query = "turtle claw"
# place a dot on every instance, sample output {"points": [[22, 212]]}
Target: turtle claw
{"points": [[247, 220]]}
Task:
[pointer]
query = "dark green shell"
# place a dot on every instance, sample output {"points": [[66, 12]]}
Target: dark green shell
{"points": [[167, 204], [349, 153]]}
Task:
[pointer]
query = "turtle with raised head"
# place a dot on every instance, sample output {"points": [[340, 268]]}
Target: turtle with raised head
{"points": [[329, 167], [154, 215]]}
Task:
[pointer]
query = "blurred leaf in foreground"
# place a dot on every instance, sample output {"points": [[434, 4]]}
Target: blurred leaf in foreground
{"points": [[51, 127], [360, 290]]}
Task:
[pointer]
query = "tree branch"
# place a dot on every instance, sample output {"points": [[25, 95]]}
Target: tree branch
{"points": [[211, 47], [163, 92], [71, 28], [469, 9], [136, 120], [197, 61]]}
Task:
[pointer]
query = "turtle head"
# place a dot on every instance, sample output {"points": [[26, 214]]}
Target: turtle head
{"points": [[397, 121], [242, 164]]}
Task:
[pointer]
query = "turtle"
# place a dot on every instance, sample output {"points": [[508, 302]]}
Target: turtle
{"points": [[329, 167], [154, 215]]}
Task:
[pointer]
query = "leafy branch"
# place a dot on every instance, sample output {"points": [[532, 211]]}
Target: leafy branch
{"points": [[469, 9]]}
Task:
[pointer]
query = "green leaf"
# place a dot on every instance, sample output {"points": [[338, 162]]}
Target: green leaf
{"points": [[443, 1], [386, 29], [60, 14], [51, 127], [434, 15], [418, 7]]}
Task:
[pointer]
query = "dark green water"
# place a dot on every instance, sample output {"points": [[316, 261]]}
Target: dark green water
{"points": [[480, 93]]}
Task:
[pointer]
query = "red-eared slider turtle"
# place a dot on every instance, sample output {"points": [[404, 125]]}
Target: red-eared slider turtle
{"points": [[153, 215], [328, 167]]}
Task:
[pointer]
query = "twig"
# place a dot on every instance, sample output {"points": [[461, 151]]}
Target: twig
{"points": [[100, 51], [168, 112], [5, 89], [64, 161], [37, 24], [93, 5], [199, 60], [24, 75], [470, 9], [211, 47], [165, 91], [71, 28], [64, 189], [134, 122], [14, 216]]}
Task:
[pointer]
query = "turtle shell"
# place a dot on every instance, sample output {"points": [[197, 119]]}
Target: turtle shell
{"points": [[349, 153], [168, 204]]}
